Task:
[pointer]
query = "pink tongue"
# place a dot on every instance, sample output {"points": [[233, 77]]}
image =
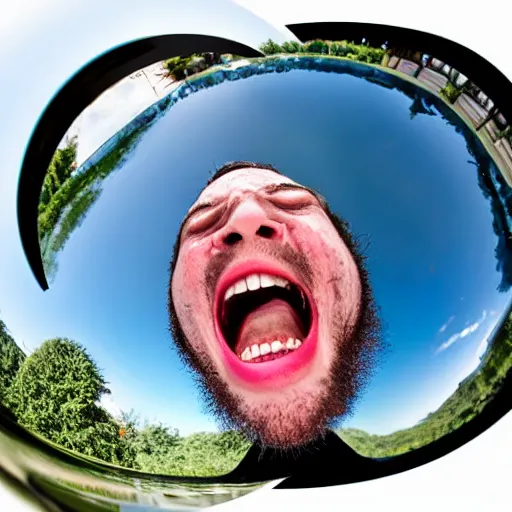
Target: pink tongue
{"points": [[275, 320]]}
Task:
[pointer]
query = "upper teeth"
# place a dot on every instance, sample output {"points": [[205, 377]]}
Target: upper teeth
{"points": [[254, 282]]}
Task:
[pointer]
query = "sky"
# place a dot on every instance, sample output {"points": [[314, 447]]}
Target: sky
{"points": [[118, 106], [434, 345], [405, 185], [24, 100], [32, 21]]}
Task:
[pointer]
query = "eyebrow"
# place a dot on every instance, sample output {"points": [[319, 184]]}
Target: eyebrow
{"points": [[268, 189]]}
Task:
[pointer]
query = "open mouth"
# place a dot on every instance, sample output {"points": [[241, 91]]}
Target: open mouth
{"points": [[264, 317]]}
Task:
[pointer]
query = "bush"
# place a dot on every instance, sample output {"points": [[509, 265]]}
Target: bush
{"points": [[176, 67], [317, 46], [340, 49], [450, 92], [270, 48], [55, 393], [11, 359], [292, 47]]}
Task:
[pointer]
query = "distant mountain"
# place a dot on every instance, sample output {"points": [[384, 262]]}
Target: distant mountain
{"points": [[469, 400]]}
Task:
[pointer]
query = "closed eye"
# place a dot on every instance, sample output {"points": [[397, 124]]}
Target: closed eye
{"points": [[203, 221], [293, 200]]}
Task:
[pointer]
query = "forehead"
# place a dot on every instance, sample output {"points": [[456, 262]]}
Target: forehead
{"points": [[241, 180]]}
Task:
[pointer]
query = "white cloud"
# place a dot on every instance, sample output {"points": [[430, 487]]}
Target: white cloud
{"points": [[444, 326], [116, 107], [462, 334]]}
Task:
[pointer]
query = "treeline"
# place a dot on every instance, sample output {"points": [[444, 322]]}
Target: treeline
{"points": [[55, 393], [346, 49], [183, 66], [469, 400], [67, 196]]}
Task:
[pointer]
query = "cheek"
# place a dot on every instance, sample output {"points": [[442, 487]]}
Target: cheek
{"points": [[186, 283], [334, 265]]}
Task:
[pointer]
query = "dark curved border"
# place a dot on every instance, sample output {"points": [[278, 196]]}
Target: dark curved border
{"points": [[79, 92], [479, 70], [105, 71], [499, 88]]}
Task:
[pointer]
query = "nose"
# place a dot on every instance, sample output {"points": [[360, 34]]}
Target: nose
{"points": [[248, 222]]}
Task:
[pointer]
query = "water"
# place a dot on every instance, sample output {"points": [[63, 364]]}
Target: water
{"points": [[407, 183]]}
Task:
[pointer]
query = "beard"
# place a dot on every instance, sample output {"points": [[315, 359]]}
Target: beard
{"points": [[299, 416]]}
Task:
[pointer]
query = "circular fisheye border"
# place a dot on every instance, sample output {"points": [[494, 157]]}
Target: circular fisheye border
{"points": [[106, 70]]}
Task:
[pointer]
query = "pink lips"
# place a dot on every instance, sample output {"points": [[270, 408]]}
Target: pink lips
{"points": [[270, 374]]}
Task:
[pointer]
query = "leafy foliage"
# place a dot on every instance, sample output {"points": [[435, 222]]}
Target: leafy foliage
{"points": [[472, 395], [60, 169], [290, 47], [11, 358], [202, 454], [55, 393], [270, 48], [450, 92], [70, 203], [316, 46], [50, 213], [345, 49]]}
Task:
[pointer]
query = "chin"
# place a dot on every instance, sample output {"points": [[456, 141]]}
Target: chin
{"points": [[292, 418]]}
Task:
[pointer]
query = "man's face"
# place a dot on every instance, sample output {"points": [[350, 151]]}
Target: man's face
{"points": [[267, 297]]}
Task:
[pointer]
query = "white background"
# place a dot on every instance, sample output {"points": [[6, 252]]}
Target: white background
{"points": [[43, 43]]}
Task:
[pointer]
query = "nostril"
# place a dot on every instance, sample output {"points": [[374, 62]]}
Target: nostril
{"points": [[265, 232], [232, 238]]}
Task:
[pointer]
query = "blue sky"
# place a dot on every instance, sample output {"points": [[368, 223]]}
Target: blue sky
{"points": [[405, 184], [439, 250], [23, 100]]}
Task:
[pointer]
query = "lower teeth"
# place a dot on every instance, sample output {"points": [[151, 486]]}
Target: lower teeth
{"points": [[269, 357], [248, 356]]}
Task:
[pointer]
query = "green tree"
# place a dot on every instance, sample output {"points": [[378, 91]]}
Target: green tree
{"points": [[56, 392], [72, 202], [292, 47], [157, 440], [317, 46], [205, 454], [11, 358], [270, 48], [152, 447], [62, 165]]}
